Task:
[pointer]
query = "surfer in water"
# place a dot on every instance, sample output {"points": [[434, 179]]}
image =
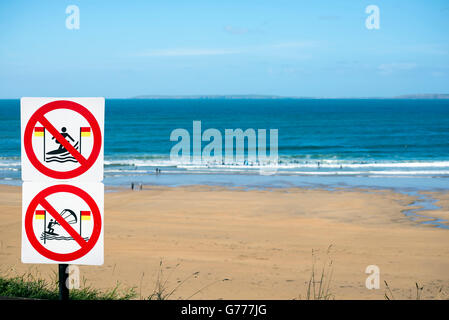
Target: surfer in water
{"points": [[65, 135]]}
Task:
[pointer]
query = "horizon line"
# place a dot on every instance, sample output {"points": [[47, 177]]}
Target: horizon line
{"points": [[427, 96]]}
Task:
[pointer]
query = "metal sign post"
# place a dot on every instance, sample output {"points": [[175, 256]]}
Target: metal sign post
{"points": [[63, 276]]}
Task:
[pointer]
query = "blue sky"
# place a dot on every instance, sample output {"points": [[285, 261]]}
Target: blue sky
{"points": [[294, 48]]}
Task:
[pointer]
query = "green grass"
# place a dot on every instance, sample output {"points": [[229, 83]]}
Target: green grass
{"points": [[34, 287], [27, 286]]}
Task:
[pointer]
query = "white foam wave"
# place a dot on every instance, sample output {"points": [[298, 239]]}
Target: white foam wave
{"points": [[289, 166], [282, 164]]}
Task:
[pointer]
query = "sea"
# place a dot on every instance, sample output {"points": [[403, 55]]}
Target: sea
{"points": [[383, 143]]}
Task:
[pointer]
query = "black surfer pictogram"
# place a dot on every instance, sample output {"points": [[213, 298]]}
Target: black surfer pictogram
{"points": [[61, 154], [61, 147], [50, 228]]}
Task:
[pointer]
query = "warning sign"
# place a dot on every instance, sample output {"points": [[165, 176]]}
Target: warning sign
{"points": [[62, 139], [63, 223]]}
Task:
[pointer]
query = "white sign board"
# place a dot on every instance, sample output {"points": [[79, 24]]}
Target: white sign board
{"points": [[63, 223], [62, 139]]}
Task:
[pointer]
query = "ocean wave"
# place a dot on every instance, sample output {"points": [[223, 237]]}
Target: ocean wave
{"points": [[124, 171], [372, 173], [283, 163], [8, 163], [10, 168]]}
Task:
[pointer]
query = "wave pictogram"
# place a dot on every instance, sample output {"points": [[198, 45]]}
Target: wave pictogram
{"points": [[61, 155], [47, 236]]}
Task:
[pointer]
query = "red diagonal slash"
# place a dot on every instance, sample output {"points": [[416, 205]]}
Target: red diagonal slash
{"points": [[55, 133], [47, 206]]}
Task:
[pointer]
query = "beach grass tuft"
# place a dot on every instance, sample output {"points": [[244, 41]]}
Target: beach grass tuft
{"points": [[318, 286], [162, 291], [418, 293], [30, 287]]}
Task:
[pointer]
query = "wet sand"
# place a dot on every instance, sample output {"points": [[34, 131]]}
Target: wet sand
{"points": [[254, 244]]}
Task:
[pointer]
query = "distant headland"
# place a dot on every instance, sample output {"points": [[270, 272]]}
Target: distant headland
{"points": [[232, 96], [434, 96]]}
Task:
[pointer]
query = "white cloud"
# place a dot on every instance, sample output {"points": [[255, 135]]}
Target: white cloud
{"points": [[177, 52], [180, 52], [329, 17], [420, 48], [235, 30], [294, 44], [438, 74], [389, 68]]}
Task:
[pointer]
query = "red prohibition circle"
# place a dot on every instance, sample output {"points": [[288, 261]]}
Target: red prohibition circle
{"points": [[39, 114], [63, 256]]}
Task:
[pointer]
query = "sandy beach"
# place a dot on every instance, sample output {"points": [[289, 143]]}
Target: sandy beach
{"points": [[254, 244]]}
